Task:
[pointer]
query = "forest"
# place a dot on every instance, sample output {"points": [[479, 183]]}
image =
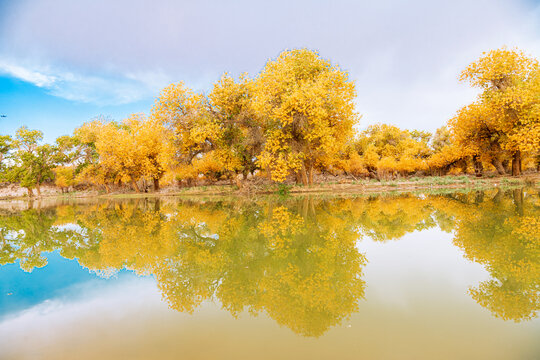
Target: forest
{"points": [[292, 122]]}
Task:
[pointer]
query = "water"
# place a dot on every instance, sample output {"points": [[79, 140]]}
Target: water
{"points": [[452, 276]]}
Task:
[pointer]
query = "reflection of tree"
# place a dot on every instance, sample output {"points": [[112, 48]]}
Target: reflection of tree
{"points": [[294, 260], [502, 234], [302, 273], [25, 236], [297, 264], [388, 218]]}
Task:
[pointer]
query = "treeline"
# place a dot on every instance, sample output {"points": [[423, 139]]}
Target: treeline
{"points": [[294, 120]]}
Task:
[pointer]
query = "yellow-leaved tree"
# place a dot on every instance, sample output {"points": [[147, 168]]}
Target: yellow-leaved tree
{"points": [[133, 149], [240, 137], [507, 111], [193, 129], [387, 149], [306, 106]]}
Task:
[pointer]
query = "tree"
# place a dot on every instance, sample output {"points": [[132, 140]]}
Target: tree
{"points": [[193, 131], [90, 169], [132, 149], [445, 153], [387, 149], [306, 106], [33, 163], [240, 137], [88, 166], [64, 177], [149, 139], [509, 101], [441, 138], [5, 147], [477, 134]]}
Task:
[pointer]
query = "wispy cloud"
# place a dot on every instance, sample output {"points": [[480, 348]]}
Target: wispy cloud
{"points": [[108, 89], [20, 72], [405, 56]]}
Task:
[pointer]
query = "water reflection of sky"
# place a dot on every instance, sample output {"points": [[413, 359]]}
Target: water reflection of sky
{"points": [[415, 303], [20, 290]]}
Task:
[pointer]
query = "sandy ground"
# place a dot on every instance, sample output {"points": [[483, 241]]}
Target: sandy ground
{"points": [[341, 187]]}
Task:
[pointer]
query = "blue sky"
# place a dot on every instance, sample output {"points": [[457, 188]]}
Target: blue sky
{"points": [[64, 62], [20, 290]]}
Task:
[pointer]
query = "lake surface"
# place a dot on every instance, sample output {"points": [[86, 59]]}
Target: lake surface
{"points": [[413, 276]]}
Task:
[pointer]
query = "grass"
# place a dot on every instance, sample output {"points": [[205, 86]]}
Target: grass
{"points": [[507, 181], [530, 181], [283, 189], [333, 188]]}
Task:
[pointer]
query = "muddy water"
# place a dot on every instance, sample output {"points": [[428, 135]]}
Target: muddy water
{"points": [[452, 276]]}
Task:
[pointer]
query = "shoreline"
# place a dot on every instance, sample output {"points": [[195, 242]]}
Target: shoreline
{"points": [[321, 189]]}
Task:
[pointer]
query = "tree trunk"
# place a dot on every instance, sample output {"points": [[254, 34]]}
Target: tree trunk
{"points": [[298, 177], [506, 165], [156, 184], [107, 189], [304, 175], [310, 174], [478, 167], [235, 180], [30, 194], [444, 170], [498, 166], [135, 186], [516, 163], [373, 174], [38, 190], [463, 166]]}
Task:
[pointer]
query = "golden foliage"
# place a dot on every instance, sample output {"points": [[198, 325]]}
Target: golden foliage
{"points": [[306, 106]]}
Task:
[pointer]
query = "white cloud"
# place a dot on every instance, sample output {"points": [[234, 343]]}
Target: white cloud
{"points": [[405, 56], [107, 89], [20, 72]]}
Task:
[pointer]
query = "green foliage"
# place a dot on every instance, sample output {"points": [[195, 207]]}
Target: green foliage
{"points": [[283, 189], [32, 164]]}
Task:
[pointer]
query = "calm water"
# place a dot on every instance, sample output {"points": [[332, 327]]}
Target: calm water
{"points": [[453, 276]]}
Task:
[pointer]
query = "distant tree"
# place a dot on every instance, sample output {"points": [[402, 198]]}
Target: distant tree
{"points": [[32, 163], [387, 149], [64, 177], [5, 147], [133, 149]]}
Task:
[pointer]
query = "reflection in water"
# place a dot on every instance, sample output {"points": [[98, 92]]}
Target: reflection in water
{"points": [[295, 260]]}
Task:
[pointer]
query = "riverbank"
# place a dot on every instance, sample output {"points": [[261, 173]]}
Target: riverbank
{"points": [[338, 187]]}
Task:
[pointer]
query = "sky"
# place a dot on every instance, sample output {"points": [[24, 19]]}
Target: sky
{"points": [[64, 62]]}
